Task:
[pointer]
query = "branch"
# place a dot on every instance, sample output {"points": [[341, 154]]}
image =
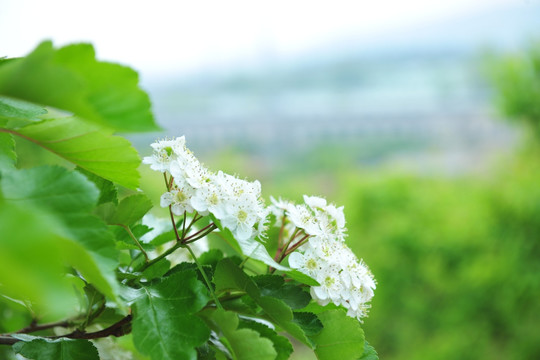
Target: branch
{"points": [[33, 327], [121, 328]]}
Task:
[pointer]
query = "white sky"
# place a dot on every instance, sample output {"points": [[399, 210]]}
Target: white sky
{"points": [[161, 36]]}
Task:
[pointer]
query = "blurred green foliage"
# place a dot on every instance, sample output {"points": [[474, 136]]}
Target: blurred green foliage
{"points": [[457, 259], [517, 81], [457, 263]]}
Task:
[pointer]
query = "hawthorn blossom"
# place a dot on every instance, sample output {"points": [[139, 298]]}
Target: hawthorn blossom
{"points": [[343, 279], [178, 199], [235, 202], [165, 152]]}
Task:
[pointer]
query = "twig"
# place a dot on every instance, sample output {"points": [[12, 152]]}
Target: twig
{"points": [[33, 327], [121, 328], [134, 239]]}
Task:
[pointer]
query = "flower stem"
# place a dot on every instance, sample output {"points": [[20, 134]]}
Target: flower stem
{"points": [[136, 241], [208, 283], [204, 231], [165, 254]]}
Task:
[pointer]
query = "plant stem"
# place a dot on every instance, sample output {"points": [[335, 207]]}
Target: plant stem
{"points": [[295, 246], [174, 225], [135, 239], [166, 182], [165, 254], [33, 327], [121, 328], [211, 227], [208, 283]]}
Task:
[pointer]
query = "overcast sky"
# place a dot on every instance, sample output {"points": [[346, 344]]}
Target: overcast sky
{"points": [[157, 37]]}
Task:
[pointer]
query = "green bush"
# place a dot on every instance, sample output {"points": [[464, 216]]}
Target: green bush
{"points": [[457, 261]]}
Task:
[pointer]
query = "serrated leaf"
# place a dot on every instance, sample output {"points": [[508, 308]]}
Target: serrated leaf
{"points": [[243, 343], [15, 113], [274, 285], [107, 190], [369, 352], [70, 78], [60, 349], [309, 322], [164, 324], [341, 338], [131, 209], [281, 344], [211, 257], [88, 146], [229, 276], [280, 314]]}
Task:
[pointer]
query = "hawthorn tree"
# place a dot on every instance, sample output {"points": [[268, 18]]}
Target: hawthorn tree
{"points": [[85, 270]]}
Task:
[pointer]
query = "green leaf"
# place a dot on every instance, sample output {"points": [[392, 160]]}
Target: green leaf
{"points": [[164, 324], [124, 240], [107, 190], [131, 209], [281, 344], [15, 113], [90, 147], [51, 187], [369, 352], [211, 257], [37, 238], [70, 78], [274, 285], [303, 278], [280, 314], [163, 238], [309, 322], [60, 349], [249, 247], [341, 338], [229, 276], [71, 197], [157, 270], [243, 343], [205, 352], [8, 158]]}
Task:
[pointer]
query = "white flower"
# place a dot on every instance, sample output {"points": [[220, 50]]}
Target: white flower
{"points": [[315, 202], [210, 199], [308, 262], [331, 285], [344, 280], [165, 152], [303, 218], [242, 215], [191, 172], [178, 199]]}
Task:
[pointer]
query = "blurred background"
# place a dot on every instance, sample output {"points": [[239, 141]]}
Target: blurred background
{"points": [[421, 117]]}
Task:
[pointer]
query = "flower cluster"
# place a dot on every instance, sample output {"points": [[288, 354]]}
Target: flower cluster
{"points": [[235, 202], [312, 234], [324, 256]]}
